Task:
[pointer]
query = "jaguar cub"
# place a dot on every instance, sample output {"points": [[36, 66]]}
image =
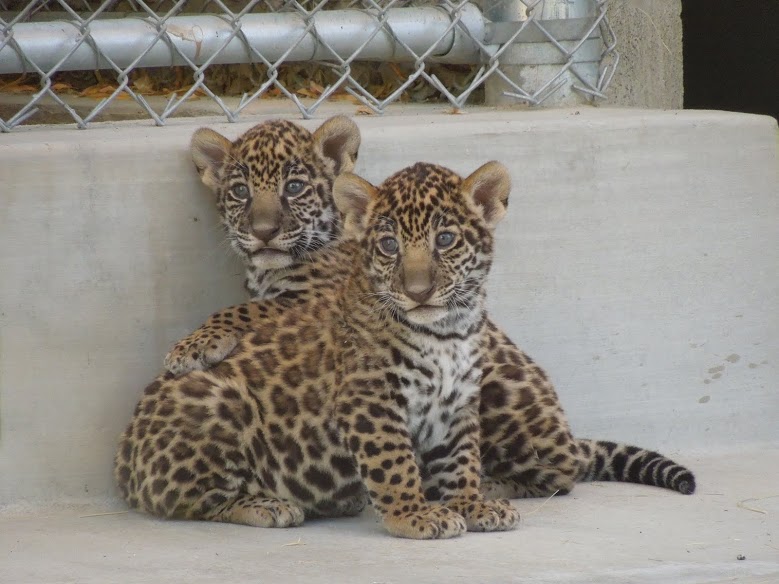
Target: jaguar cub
{"points": [[528, 449], [274, 186], [371, 387], [274, 194]]}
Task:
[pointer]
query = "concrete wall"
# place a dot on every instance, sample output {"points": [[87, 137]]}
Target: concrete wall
{"points": [[638, 264], [649, 37]]}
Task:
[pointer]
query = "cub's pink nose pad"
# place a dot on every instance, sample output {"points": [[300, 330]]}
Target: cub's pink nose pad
{"points": [[265, 234], [419, 295]]}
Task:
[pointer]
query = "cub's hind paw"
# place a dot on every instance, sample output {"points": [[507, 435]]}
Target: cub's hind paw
{"points": [[262, 512], [429, 522], [199, 351]]}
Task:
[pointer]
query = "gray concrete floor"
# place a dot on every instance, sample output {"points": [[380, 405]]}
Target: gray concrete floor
{"points": [[603, 533]]}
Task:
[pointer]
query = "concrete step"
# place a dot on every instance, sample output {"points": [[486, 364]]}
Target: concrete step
{"points": [[602, 533]]}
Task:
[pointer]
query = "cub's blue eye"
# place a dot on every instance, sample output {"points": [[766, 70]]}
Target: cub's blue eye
{"points": [[293, 187], [389, 245], [444, 239], [241, 192]]}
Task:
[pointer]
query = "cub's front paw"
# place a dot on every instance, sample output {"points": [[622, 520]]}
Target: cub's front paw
{"points": [[199, 351], [481, 515], [428, 522]]}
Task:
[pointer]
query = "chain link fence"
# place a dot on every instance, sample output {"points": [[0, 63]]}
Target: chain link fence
{"points": [[83, 59]]}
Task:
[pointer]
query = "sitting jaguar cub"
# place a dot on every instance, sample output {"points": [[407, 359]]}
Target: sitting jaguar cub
{"points": [[276, 180], [370, 387]]}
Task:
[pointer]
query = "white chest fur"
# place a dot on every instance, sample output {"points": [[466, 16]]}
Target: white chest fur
{"points": [[444, 380]]}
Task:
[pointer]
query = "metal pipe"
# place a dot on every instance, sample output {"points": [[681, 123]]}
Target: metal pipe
{"points": [[536, 66], [201, 39]]}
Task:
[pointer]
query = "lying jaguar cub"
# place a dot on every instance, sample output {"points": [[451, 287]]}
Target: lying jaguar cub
{"points": [[371, 387], [273, 188]]}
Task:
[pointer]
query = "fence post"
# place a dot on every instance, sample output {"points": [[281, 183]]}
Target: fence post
{"points": [[533, 65]]}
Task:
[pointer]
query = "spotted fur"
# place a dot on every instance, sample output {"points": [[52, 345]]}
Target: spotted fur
{"points": [[366, 390], [527, 446]]}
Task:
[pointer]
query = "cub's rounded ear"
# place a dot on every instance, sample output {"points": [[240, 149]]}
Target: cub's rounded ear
{"points": [[353, 196], [489, 187], [338, 140], [209, 149]]}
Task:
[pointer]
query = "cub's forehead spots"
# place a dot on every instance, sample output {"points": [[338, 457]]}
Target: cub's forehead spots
{"points": [[420, 197], [276, 133], [265, 150]]}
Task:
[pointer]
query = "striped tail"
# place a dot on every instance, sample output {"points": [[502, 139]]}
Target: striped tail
{"points": [[609, 461]]}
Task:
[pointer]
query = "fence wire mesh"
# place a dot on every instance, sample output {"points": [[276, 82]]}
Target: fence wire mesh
{"points": [[69, 60]]}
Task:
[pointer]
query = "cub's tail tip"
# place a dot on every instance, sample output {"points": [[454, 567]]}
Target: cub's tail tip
{"points": [[685, 483], [611, 461]]}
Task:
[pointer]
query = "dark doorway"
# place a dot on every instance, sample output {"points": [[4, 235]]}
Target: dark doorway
{"points": [[731, 55]]}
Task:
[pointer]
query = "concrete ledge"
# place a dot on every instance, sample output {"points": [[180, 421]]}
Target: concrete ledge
{"points": [[601, 534], [638, 265]]}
